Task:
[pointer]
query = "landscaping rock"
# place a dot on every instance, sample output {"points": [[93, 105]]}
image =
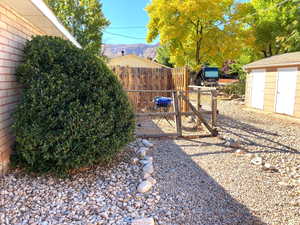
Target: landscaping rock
{"points": [[268, 167], [147, 143], [145, 162], [142, 152], [143, 221], [146, 175], [257, 161], [95, 196], [240, 151], [148, 168], [151, 180], [135, 161], [149, 158], [144, 187]]}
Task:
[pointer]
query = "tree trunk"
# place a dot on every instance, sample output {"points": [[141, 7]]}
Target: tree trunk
{"points": [[270, 50]]}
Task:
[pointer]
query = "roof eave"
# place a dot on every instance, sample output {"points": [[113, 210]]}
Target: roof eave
{"points": [[246, 67], [37, 12]]}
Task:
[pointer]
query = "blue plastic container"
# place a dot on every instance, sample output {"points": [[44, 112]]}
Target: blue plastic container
{"points": [[162, 101]]}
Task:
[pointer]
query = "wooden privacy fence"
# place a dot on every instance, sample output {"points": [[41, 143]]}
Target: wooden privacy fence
{"points": [[152, 79], [180, 82]]}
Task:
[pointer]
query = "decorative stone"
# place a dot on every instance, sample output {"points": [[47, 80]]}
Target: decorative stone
{"points": [[151, 180], [270, 168], [257, 161], [143, 221], [104, 215], [239, 151], [148, 168], [142, 152], [149, 158], [147, 143], [145, 162], [135, 161], [144, 187], [146, 175]]}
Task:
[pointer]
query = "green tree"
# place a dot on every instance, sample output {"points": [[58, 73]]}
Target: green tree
{"points": [[275, 26], [196, 31], [163, 56], [84, 19]]}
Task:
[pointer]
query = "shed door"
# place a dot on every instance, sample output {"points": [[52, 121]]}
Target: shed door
{"points": [[286, 90], [258, 86]]}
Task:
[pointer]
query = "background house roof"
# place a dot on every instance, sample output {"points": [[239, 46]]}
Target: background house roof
{"points": [[142, 59], [287, 59], [38, 14]]}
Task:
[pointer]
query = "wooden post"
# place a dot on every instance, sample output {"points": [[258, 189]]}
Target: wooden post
{"points": [[185, 87], [198, 104], [177, 114], [214, 108], [198, 99]]}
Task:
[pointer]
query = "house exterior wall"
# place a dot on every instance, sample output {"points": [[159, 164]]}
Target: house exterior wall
{"points": [[14, 32], [132, 61], [271, 90]]}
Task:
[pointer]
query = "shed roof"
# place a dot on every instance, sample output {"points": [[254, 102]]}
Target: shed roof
{"points": [[287, 59], [38, 14]]}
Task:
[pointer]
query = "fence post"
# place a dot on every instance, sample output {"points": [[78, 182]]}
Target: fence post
{"points": [[214, 108], [178, 114], [198, 104], [186, 87]]}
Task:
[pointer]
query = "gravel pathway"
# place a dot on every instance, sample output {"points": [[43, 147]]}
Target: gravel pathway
{"points": [[204, 182]]}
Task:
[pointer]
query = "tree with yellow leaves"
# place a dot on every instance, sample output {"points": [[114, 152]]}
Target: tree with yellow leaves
{"points": [[196, 31]]}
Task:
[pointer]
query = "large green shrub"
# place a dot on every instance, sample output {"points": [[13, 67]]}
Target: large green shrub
{"points": [[73, 111]]}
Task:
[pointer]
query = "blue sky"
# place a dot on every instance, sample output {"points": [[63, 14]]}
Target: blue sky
{"points": [[127, 18]]}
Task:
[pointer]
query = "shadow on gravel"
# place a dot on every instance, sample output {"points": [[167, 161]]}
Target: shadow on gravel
{"points": [[192, 195], [189, 195], [247, 133]]}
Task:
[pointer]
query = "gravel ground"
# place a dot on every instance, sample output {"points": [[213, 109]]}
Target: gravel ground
{"points": [[97, 196], [204, 182], [199, 182]]}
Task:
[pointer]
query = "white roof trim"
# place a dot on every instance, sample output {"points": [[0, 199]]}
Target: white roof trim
{"points": [[38, 14], [270, 65]]}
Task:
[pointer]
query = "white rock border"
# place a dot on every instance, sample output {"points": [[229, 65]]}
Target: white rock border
{"points": [[148, 181]]}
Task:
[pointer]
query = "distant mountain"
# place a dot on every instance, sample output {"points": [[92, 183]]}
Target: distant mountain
{"points": [[143, 50]]}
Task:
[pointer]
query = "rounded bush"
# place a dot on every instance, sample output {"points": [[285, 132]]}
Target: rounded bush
{"points": [[73, 111]]}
